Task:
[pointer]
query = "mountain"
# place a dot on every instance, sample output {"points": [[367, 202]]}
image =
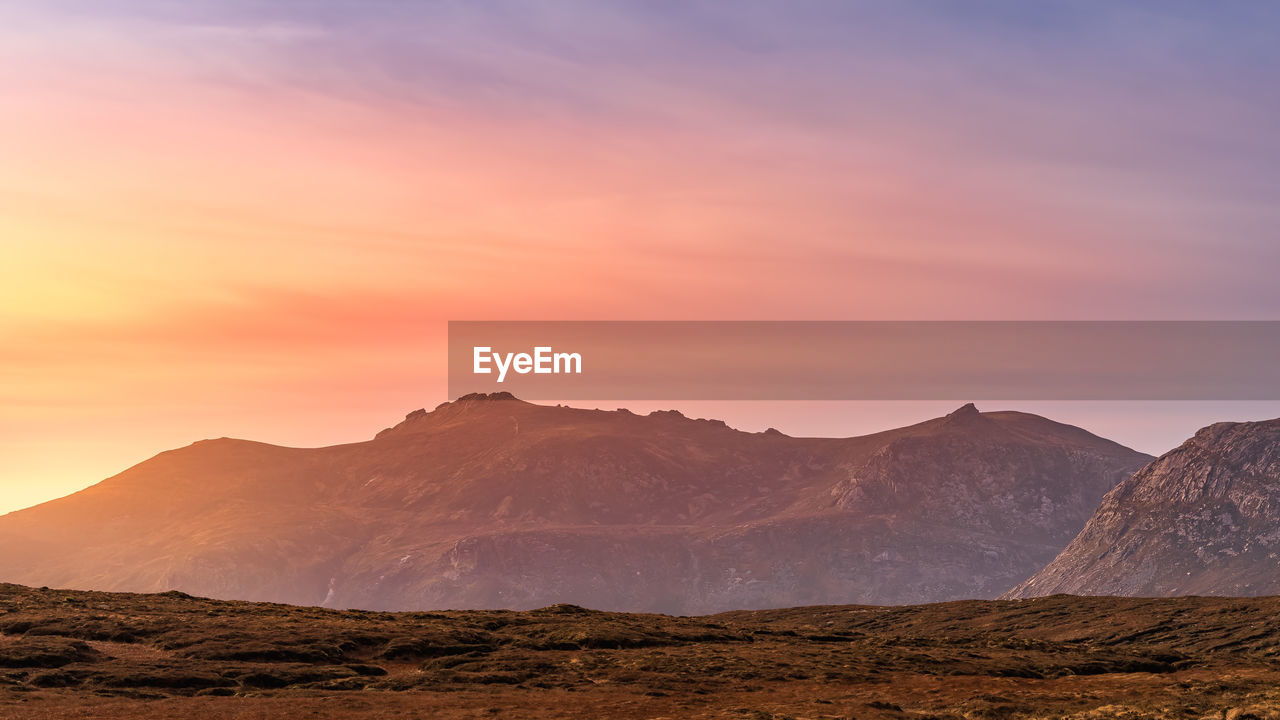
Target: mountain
{"points": [[489, 501], [1203, 519]]}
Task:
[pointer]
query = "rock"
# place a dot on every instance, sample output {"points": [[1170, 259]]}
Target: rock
{"points": [[1203, 519]]}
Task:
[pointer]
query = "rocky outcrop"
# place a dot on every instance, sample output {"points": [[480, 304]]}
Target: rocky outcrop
{"points": [[1203, 519], [489, 501]]}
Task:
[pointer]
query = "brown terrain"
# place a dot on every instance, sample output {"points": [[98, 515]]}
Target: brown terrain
{"points": [[100, 655], [1204, 519], [491, 502]]}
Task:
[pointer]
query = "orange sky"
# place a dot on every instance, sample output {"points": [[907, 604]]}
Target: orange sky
{"points": [[235, 219]]}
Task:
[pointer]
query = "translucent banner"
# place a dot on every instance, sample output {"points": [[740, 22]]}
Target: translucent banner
{"points": [[860, 360]]}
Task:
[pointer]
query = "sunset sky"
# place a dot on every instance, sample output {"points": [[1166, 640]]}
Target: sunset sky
{"points": [[255, 218]]}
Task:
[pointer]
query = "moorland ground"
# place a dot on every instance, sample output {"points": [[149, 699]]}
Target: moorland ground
{"points": [[109, 655]]}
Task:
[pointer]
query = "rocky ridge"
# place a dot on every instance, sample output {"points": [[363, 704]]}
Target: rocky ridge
{"points": [[1203, 519]]}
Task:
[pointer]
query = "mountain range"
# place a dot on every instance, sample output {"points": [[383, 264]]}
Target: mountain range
{"points": [[492, 502]]}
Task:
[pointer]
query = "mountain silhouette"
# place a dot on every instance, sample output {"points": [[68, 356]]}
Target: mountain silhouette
{"points": [[492, 502]]}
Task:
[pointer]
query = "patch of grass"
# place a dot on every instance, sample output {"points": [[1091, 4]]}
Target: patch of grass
{"points": [[1056, 657], [45, 652]]}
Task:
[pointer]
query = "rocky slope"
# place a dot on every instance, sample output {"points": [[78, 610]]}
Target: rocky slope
{"points": [[1203, 519], [489, 501]]}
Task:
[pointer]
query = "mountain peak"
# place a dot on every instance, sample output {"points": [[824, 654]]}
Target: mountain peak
{"points": [[479, 400], [478, 397], [452, 409], [475, 398], [964, 416]]}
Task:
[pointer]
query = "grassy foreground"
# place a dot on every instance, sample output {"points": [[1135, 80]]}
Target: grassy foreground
{"points": [[109, 655]]}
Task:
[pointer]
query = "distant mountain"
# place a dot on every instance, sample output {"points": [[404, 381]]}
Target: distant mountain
{"points": [[1203, 519], [491, 502]]}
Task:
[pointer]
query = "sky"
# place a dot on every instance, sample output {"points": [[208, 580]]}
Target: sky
{"points": [[254, 219]]}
